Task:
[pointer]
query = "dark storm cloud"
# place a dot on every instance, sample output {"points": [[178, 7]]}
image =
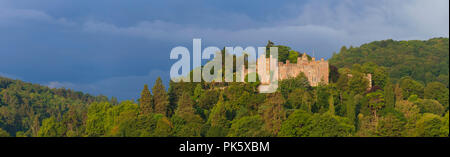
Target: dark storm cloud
{"points": [[114, 47]]}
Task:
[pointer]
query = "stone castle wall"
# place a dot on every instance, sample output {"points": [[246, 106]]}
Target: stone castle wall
{"points": [[315, 71]]}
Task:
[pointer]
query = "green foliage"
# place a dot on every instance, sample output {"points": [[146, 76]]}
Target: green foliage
{"points": [[146, 102], [398, 104], [430, 106], [218, 119], [299, 98], [376, 100], [3, 133], [437, 91], [23, 106], [298, 124], [322, 96], [50, 128], [293, 55], [328, 125], [444, 128], [248, 127], [95, 123], [350, 106], [273, 113], [411, 87], [286, 86], [160, 98], [429, 125], [186, 122], [390, 126], [357, 82], [412, 58], [389, 96]]}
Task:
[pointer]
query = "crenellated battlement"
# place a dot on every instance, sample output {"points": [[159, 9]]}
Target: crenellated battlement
{"points": [[315, 70]]}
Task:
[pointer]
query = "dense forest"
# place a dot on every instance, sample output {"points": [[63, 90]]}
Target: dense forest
{"points": [[409, 96]]}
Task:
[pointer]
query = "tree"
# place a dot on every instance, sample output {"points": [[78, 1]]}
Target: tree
{"points": [[208, 99], [430, 106], [334, 74], [163, 127], [160, 97], [186, 122], [411, 87], [412, 58], [288, 85], [389, 96], [429, 125], [331, 105], [95, 123], [376, 102], [127, 124], [328, 125], [390, 126], [411, 114], [3, 133], [273, 113], [350, 106], [296, 99], [198, 92], [298, 124], [445, 125], [218, 120], [145, 101], [380, 77], [120, 120], [357, 82], [249, 126], [437, 91], [366, 126], [51, 128], [293, 55], [398, 93], [322, 96]]}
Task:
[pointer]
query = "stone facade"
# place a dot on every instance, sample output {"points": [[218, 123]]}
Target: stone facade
{"points": [[315, 71]]}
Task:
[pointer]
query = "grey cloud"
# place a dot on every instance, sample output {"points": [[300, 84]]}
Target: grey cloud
{"points": [[12, 16], [322, 22], [11, 76], [122, 87]]}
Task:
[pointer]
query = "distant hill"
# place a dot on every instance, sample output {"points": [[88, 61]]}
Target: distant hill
{"points": [[425, 61], [23, 106], [340, 109]]}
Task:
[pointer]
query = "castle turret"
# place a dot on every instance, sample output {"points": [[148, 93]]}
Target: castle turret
{"points": [[304, 57]]}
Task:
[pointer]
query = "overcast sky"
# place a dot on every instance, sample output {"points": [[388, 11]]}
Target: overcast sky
{"points": [[113, 47]]}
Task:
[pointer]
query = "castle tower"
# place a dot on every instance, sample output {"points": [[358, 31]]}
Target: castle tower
{"points": [[315, 71], [304, 57]]}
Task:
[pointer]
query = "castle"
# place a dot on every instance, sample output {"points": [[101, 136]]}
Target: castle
{"points": [[315, 71]]}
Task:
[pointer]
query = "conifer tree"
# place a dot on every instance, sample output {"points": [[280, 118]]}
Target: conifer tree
{"points": [[389, 95], [146, 105], [217, 117], [185, 108], [218, 120], [160, 97], [273, 113], [331, 107]]}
